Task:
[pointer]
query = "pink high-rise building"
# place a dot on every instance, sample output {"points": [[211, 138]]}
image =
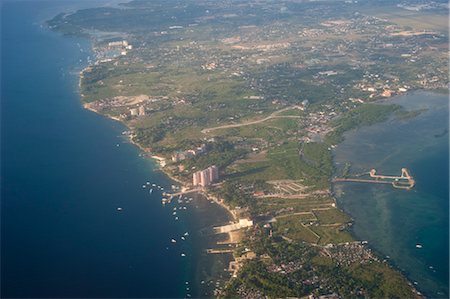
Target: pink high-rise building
{"points": [[213, 173], [205, 177], [196, 178]]}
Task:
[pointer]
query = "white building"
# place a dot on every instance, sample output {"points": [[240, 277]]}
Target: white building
{"points": [[141, 111]]}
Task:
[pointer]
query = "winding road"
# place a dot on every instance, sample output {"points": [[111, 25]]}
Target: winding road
{"points": [[253, 122]]}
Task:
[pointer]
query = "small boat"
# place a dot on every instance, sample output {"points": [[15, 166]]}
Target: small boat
{"points": [[176, 218], [186, 234], [153, 185], [151, 191], [119, 209], [182, 238], [148, 183], [174, 241], [143, 186], [418, 246], [183, 254], [174, 213]]}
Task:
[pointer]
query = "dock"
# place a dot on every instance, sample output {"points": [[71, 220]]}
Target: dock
{"points": [[404, 181], [185, 192], [219, 251]]}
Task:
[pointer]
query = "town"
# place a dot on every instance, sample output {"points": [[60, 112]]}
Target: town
{"points": [[245, 108]]}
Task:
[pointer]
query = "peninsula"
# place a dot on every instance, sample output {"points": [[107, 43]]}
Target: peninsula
{"points": [[245, 100]]}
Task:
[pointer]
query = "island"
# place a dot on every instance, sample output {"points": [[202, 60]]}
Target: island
{"points": [[243, 101]]}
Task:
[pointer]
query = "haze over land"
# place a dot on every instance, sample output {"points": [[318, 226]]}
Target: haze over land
{"points": [[244, 101]]}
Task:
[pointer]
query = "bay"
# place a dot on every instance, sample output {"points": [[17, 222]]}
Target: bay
{"points": [[395, 221]]}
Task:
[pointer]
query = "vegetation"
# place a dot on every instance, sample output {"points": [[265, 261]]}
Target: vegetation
{"points": [[364, 115], [303, 73]]}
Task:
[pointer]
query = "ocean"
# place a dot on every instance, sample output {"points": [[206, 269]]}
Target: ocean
{"points": [[409, 228], [66, 171]]}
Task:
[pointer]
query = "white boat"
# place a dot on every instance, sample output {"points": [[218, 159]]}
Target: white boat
{"points": [[143, 186], [186, 234], [119, 209], [151, 191], [418, 246], [176, 218], [174, 241], [182, 238], [183, 254]]}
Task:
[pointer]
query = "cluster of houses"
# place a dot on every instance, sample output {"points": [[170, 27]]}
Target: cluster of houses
{"points": [[137, 111], [183, 155]]}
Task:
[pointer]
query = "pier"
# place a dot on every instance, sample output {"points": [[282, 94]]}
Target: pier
{"points": [[185, 192], [404, 181], [219, 251]]}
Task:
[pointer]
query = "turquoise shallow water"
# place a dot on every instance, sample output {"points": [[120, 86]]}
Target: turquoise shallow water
{"points": [[394, 221]]}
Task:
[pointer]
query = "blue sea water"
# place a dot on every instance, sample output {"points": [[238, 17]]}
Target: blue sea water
{"points": [[394, 221], [64, 173]]}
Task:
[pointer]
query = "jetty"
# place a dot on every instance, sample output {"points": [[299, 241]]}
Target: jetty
{"points": [[185, 192], [404, 181]]}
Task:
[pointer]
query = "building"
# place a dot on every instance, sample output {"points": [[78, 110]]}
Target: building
{"points": [[134, 112], [213, 173], [205, 177], [122, 43], [196, 178], [141, 111]]}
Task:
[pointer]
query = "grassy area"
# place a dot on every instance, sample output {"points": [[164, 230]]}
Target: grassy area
{"points": [[331, 216], [331, 234], [286, 162], [364, 115], [295, 230], [418, 20], [272, 205]]}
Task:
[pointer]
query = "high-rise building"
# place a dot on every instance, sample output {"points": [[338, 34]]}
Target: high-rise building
{"points": [[213, 173], [196, 178], [205, 177]]}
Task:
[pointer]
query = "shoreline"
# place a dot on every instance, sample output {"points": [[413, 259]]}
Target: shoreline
{"points": [[160, 161], [384, 257], [232, 213], [208, 196]]}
